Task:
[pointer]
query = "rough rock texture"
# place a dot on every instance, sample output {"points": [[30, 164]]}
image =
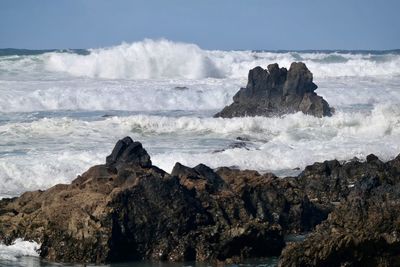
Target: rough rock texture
{"points": [[330, 182], [276, 91], [128, 209], [127, 151], [364, 230]]}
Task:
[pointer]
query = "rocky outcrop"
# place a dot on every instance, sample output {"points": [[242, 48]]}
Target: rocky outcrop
{"points": [[276, 91], [364, 230], [128, 209], [330, 182], [128, 151]]}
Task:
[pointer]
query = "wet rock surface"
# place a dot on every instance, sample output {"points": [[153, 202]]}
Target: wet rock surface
{"points": [[276, 91], [128, 209], [364, 229]]}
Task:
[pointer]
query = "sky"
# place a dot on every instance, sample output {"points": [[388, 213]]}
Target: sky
{"points": [[211, 24]]}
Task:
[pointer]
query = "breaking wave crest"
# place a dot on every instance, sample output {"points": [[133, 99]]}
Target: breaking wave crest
{"points": [[166, 59], [152, 59], [141, 60], [289, 142]]}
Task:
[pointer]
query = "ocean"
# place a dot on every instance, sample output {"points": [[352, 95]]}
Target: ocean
{"points": [[62, 111]]}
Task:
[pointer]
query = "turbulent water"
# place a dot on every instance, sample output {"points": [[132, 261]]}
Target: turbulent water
{"points": [[62, 111]]}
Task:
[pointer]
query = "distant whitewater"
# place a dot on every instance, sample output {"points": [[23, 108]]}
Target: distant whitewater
{"points": [[61, 111], [151, 59]]}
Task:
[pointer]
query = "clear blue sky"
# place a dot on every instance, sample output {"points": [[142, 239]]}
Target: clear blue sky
{"points": [[212, 24]]}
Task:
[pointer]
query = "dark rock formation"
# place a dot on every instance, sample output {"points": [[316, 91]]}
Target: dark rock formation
{"points": [[276, 91], [181, 88], [237, 144], [128, 209], [330, 182], [364, 230], [127, 151]]}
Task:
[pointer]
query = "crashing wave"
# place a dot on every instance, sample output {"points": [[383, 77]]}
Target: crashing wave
{"points": [[18, 249], [157, 59], [295, 140]]}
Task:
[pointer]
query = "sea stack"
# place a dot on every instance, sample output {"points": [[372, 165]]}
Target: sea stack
{"points": [[277, 91]]}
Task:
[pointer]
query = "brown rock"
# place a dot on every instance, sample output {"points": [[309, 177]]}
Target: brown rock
{"points": [[128, 209]]}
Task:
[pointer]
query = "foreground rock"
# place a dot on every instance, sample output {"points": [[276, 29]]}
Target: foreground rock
{"points": [[364, 230], [129, 209], [277, 91]]}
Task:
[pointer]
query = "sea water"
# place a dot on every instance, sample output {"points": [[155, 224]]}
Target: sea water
{"points": [[62, 111]]}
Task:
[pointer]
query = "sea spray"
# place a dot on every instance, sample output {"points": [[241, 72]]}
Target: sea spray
{"points": [[159, 59], [61, 148], [151, 59], [18, 249], [62, 111]]}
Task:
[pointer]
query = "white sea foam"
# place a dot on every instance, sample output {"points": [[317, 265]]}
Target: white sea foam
{"points": [[51, 107], [382, 120], [151, 95], [166, 59], [164, 75], [18, 249], [155, 59], [47, 151], [25, 96], [141, 60], [43, 169]]}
